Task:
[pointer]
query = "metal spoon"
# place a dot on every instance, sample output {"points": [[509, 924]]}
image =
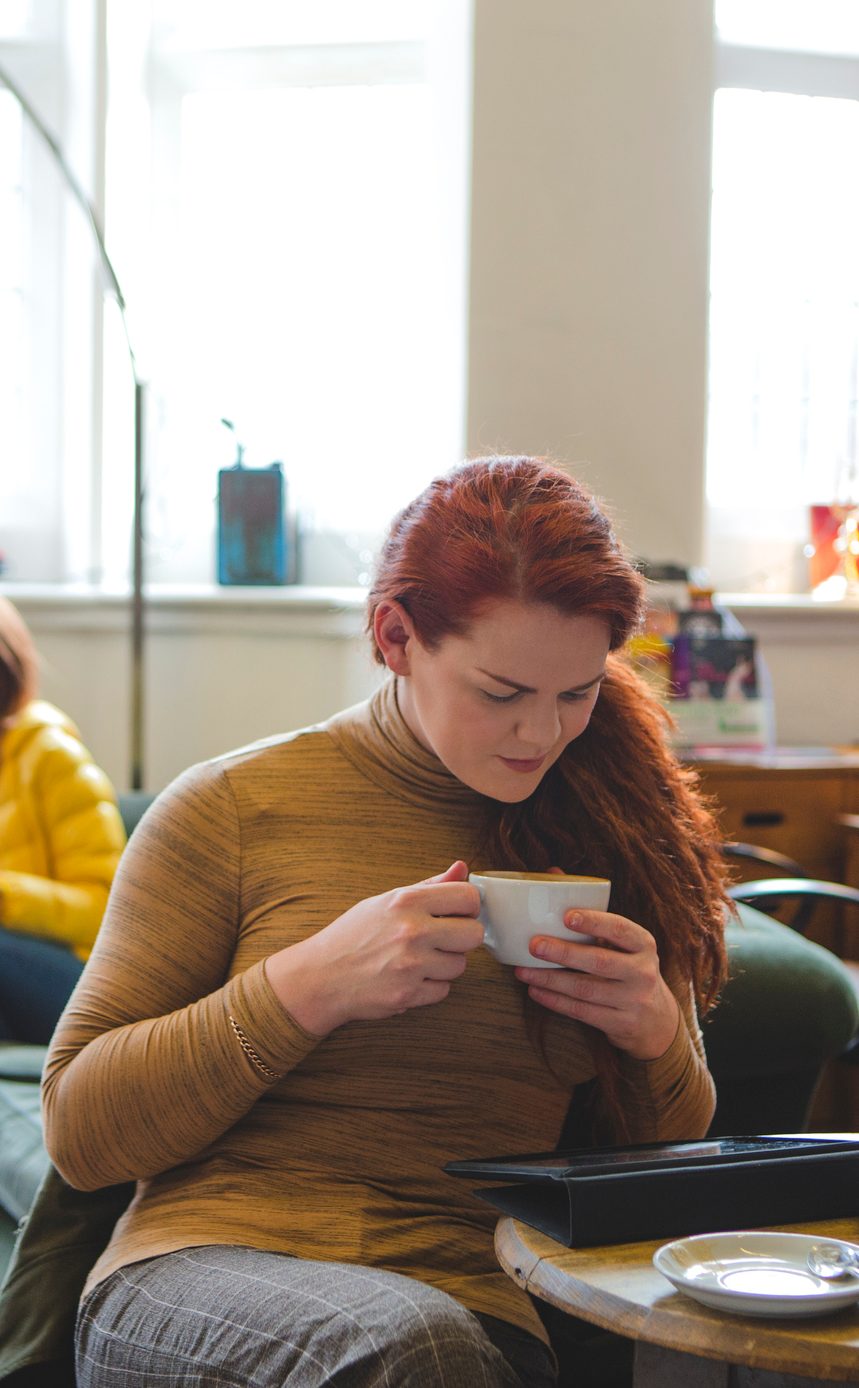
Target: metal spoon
{"points": [[834, 1260]]}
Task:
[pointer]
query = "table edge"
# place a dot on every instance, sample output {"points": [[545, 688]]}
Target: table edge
{"points": [[527, 1255]]}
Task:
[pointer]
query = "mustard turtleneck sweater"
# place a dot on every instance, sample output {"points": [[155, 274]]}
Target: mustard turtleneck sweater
{"points": [[341, 1158]]}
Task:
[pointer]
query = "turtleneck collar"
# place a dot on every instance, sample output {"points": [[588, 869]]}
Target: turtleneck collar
{"points": [[377, 740]]}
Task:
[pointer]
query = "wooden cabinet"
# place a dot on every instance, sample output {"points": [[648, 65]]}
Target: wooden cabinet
{"points": [[795, 809], [850, 824], [793, 803], [788, 802]]}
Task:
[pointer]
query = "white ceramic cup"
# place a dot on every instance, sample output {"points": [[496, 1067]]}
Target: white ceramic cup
{"points": [[516, 906]]}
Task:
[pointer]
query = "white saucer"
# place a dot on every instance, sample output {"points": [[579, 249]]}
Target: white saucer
{"points": [[754, 1273]]}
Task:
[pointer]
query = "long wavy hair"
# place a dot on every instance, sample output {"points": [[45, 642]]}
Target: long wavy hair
{"points": [[617, 802]]}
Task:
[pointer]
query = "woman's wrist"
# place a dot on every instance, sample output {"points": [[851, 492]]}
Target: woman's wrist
{"points": [[302, 989], [660, 1039]]}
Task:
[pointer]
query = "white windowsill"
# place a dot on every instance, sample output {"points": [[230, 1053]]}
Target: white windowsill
{"points": [[289, 610], [297, 610], [191, 594], [788, 603], [299, 595]]}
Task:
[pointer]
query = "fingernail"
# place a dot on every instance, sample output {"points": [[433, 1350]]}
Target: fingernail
{"points": [[574, 920], [542, 949]]}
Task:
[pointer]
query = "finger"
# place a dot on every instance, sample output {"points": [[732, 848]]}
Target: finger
{"points": [[454, 898], [455, 934], [582, 987], [581, 958], [443, 965], [594, 1014], [457, 872], [609, 929], [429, 992], [558, 871]]}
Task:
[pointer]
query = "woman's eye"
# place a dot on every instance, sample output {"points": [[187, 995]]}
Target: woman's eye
{"points": [[572, 697]]}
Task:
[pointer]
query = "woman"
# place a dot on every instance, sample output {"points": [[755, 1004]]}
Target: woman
{"points": [[60, 840], [288, 1024]]}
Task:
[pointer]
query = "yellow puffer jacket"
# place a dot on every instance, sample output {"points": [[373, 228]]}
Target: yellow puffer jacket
{"points": [[61, 834]]}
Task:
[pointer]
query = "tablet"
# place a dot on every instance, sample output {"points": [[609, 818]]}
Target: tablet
{"points": [[603, 1161]]}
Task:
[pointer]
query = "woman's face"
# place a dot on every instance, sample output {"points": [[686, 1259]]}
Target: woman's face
{"points": [[498, 705]]}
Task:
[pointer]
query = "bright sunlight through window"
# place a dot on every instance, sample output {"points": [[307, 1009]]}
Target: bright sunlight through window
{"points": [[284, 201], [302, 272], [785, 296], [301, 300], [784, 284]]}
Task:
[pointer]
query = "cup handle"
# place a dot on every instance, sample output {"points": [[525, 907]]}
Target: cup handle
{"points": [[482, 917]]}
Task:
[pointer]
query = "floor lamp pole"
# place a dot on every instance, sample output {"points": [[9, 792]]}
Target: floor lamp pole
{"points": [[137, 628], [136, 771]]}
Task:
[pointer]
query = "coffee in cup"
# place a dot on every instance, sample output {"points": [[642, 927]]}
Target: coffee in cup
{"points": [[516, 906]]}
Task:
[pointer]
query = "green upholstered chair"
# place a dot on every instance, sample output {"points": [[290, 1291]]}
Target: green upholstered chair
{"points": [[788, 1008], [23, 1158], [804, 896], [814, 1005]]}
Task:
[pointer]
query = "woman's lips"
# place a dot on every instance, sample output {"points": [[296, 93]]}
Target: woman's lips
{"points": [[515, 764]]}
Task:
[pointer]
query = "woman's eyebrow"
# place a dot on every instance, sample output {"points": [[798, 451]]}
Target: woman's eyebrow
{"points": [[527, 689]]}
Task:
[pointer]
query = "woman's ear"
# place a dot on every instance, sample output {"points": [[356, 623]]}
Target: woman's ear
{"points": [[393, 630]]}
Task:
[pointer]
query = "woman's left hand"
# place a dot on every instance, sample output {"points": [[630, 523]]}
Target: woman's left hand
{"points": [[614, 984]]}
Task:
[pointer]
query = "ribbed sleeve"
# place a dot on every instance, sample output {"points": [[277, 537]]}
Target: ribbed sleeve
{"points": [[147, 1050], [672, 1098]]}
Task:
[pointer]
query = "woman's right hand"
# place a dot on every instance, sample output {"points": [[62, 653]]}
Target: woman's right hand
{"points": [[383, 956]]}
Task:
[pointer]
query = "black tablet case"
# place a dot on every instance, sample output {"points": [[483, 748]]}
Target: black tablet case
{"points": [[631, 1206]]}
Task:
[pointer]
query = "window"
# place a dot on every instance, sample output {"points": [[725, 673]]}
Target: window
{"points": [[784, 311], [32, 215], [285, 206]]}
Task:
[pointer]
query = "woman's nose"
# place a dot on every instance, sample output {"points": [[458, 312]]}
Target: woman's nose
{"points": [[539, 726]]}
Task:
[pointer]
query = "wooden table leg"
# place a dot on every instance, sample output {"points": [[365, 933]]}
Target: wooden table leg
{"points": [[656, 1367]]}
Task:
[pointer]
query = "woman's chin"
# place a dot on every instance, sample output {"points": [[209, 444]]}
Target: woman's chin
{"points": [[510, 789]]}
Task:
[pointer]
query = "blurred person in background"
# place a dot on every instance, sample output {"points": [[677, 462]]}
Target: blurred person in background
{"points": [[61, 836]]}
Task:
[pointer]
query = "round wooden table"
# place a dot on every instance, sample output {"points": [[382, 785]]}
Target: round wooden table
{"points": [[679, 1343]]}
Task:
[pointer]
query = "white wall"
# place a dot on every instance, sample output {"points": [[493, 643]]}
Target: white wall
{"points": [[219, 671], [589, 263]]}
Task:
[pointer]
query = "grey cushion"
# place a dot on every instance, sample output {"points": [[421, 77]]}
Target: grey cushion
{"points": [[133, 805], [23, 1159], [21, 1062]]}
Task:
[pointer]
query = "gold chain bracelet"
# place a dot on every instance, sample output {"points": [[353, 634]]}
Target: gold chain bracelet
{"points": [[252, 1055]]}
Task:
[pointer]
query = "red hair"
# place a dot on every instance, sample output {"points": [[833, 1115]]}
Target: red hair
{"points": [[617, 803], [505, 528]]}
